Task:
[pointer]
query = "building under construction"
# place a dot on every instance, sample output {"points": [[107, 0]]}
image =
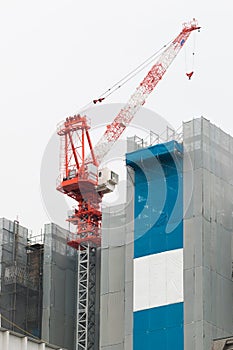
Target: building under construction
{"points": [[169, 274], [162, 277], [38, 281], [21, 279]]}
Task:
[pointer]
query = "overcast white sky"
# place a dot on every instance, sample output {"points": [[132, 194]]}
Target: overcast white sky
{"points": [[57, 55]]}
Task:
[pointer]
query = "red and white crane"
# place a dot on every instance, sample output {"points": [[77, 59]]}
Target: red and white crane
{"points": [[81, 179]]}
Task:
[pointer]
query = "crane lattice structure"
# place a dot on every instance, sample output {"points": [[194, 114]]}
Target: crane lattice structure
{"points": [[80, 179]]}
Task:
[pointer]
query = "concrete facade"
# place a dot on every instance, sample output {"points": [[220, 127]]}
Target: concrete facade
{"points": [[208, 286]]}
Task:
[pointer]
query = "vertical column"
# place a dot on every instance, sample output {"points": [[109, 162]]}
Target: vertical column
{"points": [[6, 341], [24, 343], [87, 327], [82, 297]]}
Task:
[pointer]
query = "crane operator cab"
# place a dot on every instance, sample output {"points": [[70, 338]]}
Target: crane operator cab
{"points": [[107, 180]]}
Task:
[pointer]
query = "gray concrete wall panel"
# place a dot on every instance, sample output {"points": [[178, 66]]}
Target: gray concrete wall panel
{"points": [[129, 266], [207, 234], [193, 336], [104, 323], [128, 342], [193, 193], [116, 310], [59, 281], [116, 269], [193, 243], [193, 295], [128, 306], [105, 269], [112, 320], [116, 321], [114, 347]]}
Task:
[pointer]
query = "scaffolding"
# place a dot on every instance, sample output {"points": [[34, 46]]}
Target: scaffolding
{"points": [[33, 273], [35, 253], [20, 279]]}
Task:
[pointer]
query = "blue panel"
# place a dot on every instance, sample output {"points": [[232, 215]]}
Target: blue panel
{"points": [[159, 328], [158, 198], [175, 337], [162, 151], [141, 341], [158, 227]]}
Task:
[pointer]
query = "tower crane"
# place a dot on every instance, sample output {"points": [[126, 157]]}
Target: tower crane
{"points": [[81, 179]]}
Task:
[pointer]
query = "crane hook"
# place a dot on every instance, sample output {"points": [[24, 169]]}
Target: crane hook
{"points": [[189, 75]]}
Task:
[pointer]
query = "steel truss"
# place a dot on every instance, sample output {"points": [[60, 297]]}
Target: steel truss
{"points": [[86, 298]]}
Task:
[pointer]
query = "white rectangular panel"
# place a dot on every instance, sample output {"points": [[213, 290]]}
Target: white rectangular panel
{"points": [[158, 279]]}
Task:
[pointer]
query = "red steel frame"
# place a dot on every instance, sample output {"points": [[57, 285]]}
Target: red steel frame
{"points": [[77, 183]]}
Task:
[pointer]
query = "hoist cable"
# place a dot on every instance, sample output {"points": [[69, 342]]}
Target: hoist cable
{"points": [[126, 78]]}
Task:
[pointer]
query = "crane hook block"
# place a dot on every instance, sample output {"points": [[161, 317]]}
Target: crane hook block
{"points": [[98, 100], [189, 75]]}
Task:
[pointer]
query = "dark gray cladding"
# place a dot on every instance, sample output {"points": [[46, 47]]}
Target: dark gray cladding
{"points": [[21, 268], [59, 286]]}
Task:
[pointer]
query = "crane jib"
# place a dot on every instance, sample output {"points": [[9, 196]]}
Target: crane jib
{"points": [[148, 84]]}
